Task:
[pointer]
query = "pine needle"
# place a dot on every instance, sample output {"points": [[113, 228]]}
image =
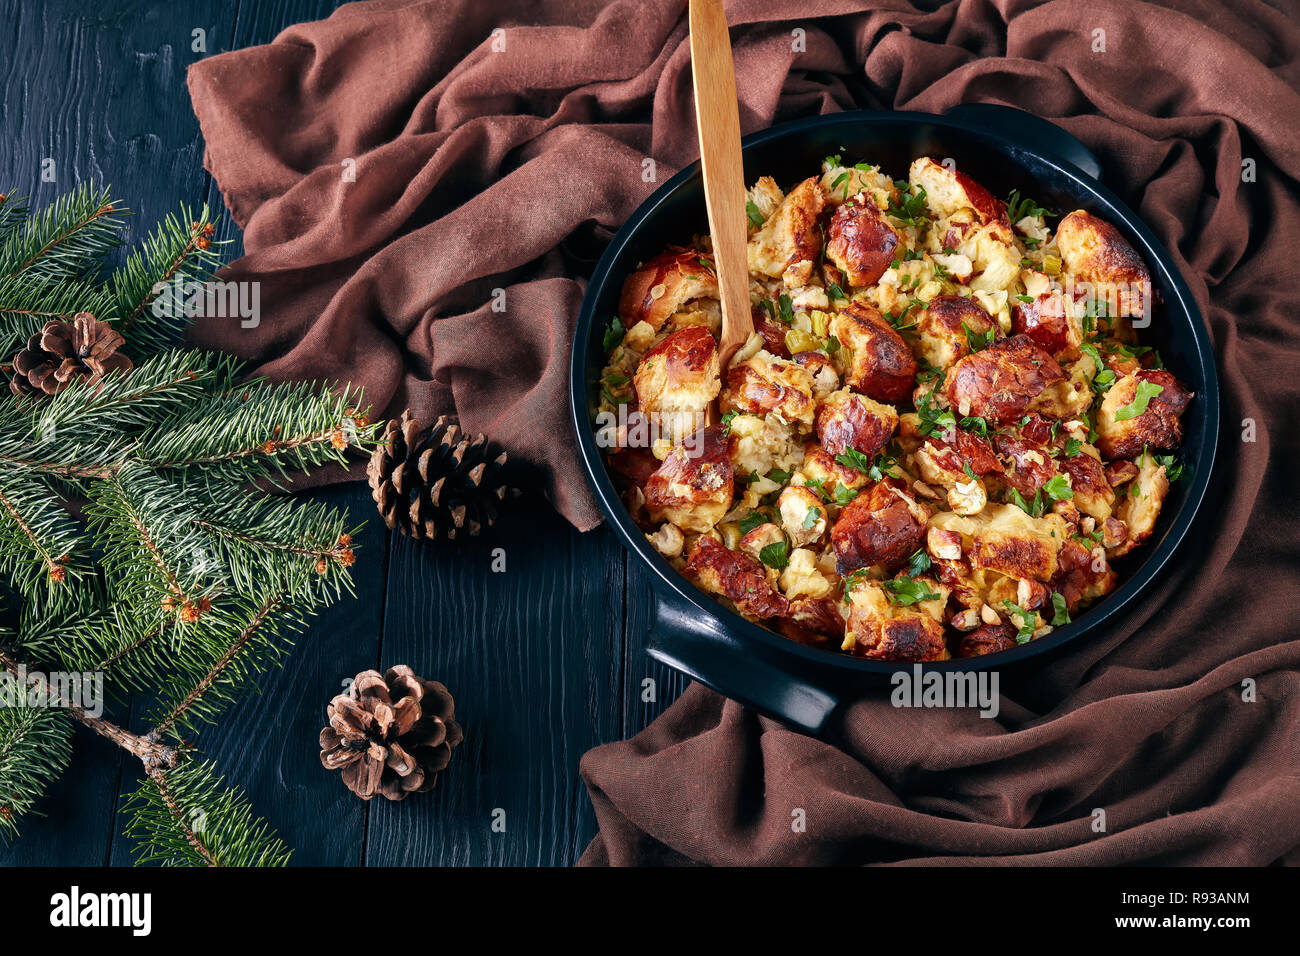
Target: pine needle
{"points": [[136, 524], [35, 747], [186, 817]]}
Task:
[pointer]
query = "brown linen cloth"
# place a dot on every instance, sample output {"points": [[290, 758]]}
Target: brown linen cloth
{"points": [[487, 163], [1147, 723]]}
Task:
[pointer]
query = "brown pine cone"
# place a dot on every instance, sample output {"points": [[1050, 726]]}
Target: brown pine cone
{"points": [[390, 735], [438, 482], [63, 352]]}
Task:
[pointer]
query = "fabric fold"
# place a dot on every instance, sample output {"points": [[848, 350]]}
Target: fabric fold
{"points": [[424, 186]]}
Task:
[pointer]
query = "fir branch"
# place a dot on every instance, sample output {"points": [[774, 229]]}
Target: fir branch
{"points": [[185, 817], [69, 239], [126, 403], [199, 577], [13, 213], [35, 747], [260, 640], [179, 252], [151, 751], [40, 544], [129, 645], [302, 548], [27, 305], [262, 430], [87, 430], [152, 549]]}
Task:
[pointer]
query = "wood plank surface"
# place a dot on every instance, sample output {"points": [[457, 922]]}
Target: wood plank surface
{"points": [[545, 658]]}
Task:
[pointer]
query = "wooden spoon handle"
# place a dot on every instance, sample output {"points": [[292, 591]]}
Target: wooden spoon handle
{"points": [[718, 120]]}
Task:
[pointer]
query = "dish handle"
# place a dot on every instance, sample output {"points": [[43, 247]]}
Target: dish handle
{"points": [[1017, 124], [702, 649]]}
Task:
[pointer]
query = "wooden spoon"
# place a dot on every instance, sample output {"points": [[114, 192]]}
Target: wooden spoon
{"points": [[718, 120]]}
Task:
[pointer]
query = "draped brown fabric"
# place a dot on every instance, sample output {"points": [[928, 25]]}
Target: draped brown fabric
{"points": [[395, 164]]}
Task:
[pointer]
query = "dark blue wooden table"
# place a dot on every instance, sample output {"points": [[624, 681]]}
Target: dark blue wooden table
{"points": [[545, 658]]}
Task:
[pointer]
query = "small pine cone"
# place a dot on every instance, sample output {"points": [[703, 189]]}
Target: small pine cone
{"points": [[390, 735], [439, 483], [63, 352]]}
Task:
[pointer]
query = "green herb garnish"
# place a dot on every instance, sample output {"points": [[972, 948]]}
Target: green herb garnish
{"points": [[918, 563], [908, 591], [911, 209], [1026, 630], [614, 333], [978, 341], [1141, 399], [1062, 615], [775, 555], [786, 309], [1058, 488]]}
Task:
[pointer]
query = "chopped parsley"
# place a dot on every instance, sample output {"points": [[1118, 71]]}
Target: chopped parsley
{"points": [[1026, 630], [1033, 508], [614, 333], [873, 469], [1104, 377], [756, 217], [975, 425], [908, 591], [1019, 207], [786, 309], [978, 341], [726, 421], [899, 321], [925, 372], [1062, 615], [843, 494], [1058, 488], [852, 458], [1072, 447], [910, 208], [918, 563], [810, 518], [775, 555], [841, 180], [779, 476], [835, 292], [1141, 399], [933, 419], [1173, 467], [832, 345], [752, 521]]}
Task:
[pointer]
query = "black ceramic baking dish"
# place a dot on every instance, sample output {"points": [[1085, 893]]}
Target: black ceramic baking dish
{"points": [[1003, 149]]}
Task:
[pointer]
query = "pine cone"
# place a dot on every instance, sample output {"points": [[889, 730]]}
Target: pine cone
{"points": [[439, 482], [390, 735], [63, 352]]}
